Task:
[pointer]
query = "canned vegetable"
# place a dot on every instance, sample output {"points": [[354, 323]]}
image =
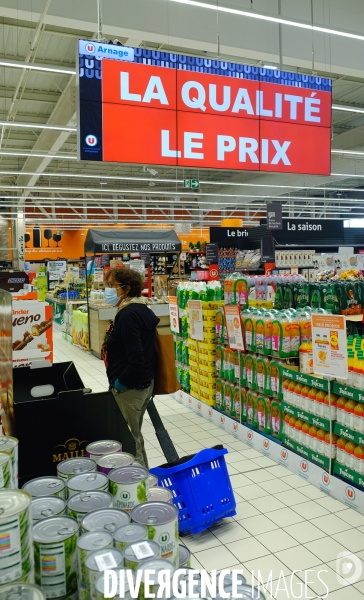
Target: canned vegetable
{"points": [[161, 520], [81, 504], [47, 506], [55, 555], [45, 486], [128, 534], [107, 463], [5, 470], [108, 519], [87, 482], [184, 557], [16, 556], [9, 445], [75, 466], [153, 480], [88, 543], [128, 486], [160, 494], [21, 591], [154, 567], [97, 449], [138, 552], [98, 561]]}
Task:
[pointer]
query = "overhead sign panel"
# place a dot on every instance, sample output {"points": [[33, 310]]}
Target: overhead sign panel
{"points": [[139, 106]]}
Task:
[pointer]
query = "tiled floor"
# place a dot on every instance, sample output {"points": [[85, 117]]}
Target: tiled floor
{"points": [[283, 524]]}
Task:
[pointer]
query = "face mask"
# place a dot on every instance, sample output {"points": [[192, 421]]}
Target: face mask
{"points": [[111, 296]]}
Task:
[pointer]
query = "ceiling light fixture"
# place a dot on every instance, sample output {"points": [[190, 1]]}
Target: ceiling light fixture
{"points": [[39, 155], [355, 152], [36, 67], [347, 108], [270, 67], [36, 126], [279, 20]]}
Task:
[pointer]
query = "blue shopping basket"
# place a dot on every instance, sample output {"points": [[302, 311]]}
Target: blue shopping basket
{"points": [[201, 489]]}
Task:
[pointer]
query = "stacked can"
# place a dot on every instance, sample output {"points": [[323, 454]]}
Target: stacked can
{"points": [[75, 466], [119, 593], [151, 569], [55, 556], [86, 545], [98, 561], [129, 534], [47, 506], [96, 450], [21, 591], [161, 520], [46, 486], [107, 463], [129, 486], [81, 504], [16, 557], [9, 445], [108, 519], [5, 471], [137, 553], [87, 482]]}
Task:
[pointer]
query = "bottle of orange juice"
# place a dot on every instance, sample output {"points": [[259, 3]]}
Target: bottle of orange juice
{"points": [[286, 425], [349, 414], [349, 454], [311, 400], [297, 395], [276, 419], [359, 459], [340, 451], [306, 435], [340, 410], [320, 442], [259, 333], [298, 428], [359, 418], [292, 428], [285, 389], [319, 404], [330, 413], [262, 410], [313, 438], [304, 394], [267, 348], [291, 394]]}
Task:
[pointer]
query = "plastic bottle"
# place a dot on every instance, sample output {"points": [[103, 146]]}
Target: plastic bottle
{"points": [[267, 348], [313, 437], [320, 441], [219, 361], [297, 394], [276, 419], [278, 298], [220, 325], [349, 414], [304, 394], [286, 425], [249, 332], [319, 403], [349, 454], [291, 393], [285, 387], [292, 429], [281, 336], [330, 413], [241, 291], [244, 408], [359, 460], [228, 396], [340, 451], [275, 379], [340, 410], [261, 410], [259, 333], [294, 329], [350, 368], [242, 369], [299, 435], [306, 435], [359, 418], [311, 400], [237, 366]]}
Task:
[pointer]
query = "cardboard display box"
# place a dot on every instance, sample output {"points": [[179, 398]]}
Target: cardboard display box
{"points": [[54, 419]]}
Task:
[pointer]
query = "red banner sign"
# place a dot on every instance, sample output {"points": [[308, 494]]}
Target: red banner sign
{"points": [[160, 115]]}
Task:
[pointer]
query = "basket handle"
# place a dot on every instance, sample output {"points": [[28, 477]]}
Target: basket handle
{"points": [[206, 455]]}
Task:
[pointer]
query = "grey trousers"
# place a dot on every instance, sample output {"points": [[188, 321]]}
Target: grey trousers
{"points": [[133, 404]]}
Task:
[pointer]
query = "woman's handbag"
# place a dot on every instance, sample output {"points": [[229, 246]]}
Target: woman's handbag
{"points": [[165, 380]]}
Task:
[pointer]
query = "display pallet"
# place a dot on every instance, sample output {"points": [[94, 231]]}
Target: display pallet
{"points": [[348, 392], [349, 434], [349, 474], [306, 416], [315, 457]]}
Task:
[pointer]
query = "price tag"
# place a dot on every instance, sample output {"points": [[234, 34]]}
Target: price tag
{"points": [[105, 561], [142, 550]]}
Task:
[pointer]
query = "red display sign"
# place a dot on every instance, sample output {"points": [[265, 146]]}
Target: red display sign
{"points": [[159, 115]]}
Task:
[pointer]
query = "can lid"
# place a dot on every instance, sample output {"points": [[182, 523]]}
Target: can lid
{"points": [[4, 458], [153, 480], [131, 475], [46, 506], [21, 591], [132, 532], [7, 442], [103, 447], [75, 466], [153, 550], [85, 502], [159, 494], [87, 481], [94, 540], [155, 565], [228, 580], [108, 519], [54, 529], [13, 502], [154, 513], [113, 559], [44, 486], [183, 554], [116, 460], [99, 584]]}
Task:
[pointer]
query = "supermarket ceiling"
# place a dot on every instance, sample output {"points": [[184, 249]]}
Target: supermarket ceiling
{"points": [[39, 171]]}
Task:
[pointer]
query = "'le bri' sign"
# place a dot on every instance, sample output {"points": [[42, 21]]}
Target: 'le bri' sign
{"points": [[136, 106]]}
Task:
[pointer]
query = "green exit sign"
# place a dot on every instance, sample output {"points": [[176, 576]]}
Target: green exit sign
{"points": [[193, 184]]}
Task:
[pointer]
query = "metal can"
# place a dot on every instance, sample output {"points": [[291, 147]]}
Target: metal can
{"points": [[55, 555], [120, 593], [107, 463], [184, 556], [155, 566], [128, 486], [228, 579], [10, 445], [5, 471], [244, 592], [108, 519], [100, 560], [16, 556], [139, 552], [45, 486], [73, 596], [138, 464], [88, 543], [29, 578], [129, 534], [82, 591], [161, 519], [81, 504], [47, 506], [21, 591], [160, 494], [97, 449], [75, 466], [87, 482], [152, 480]]}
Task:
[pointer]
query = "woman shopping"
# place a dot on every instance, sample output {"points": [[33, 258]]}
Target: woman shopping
{"points": [[128, 350]]}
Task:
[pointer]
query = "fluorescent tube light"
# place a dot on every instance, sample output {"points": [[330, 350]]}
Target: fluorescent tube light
{"points": [[36, 67], [36, 126], [38, 155]]}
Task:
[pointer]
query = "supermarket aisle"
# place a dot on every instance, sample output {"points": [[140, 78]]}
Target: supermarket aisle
{"points": [[283, 524]]}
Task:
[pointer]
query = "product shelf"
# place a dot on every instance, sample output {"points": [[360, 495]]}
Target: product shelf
{"points": [[315, 382], [348, 392], [307, 417], [348, 474], [318, 459]]}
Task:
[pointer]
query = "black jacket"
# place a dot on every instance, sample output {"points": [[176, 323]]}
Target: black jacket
{"points": [[130, 349]]}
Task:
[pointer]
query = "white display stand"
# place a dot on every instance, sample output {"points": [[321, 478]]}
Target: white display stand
{"points": [[329, 484]]}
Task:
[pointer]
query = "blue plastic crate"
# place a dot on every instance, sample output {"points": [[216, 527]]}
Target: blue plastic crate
{"points": [[201, 489]]}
